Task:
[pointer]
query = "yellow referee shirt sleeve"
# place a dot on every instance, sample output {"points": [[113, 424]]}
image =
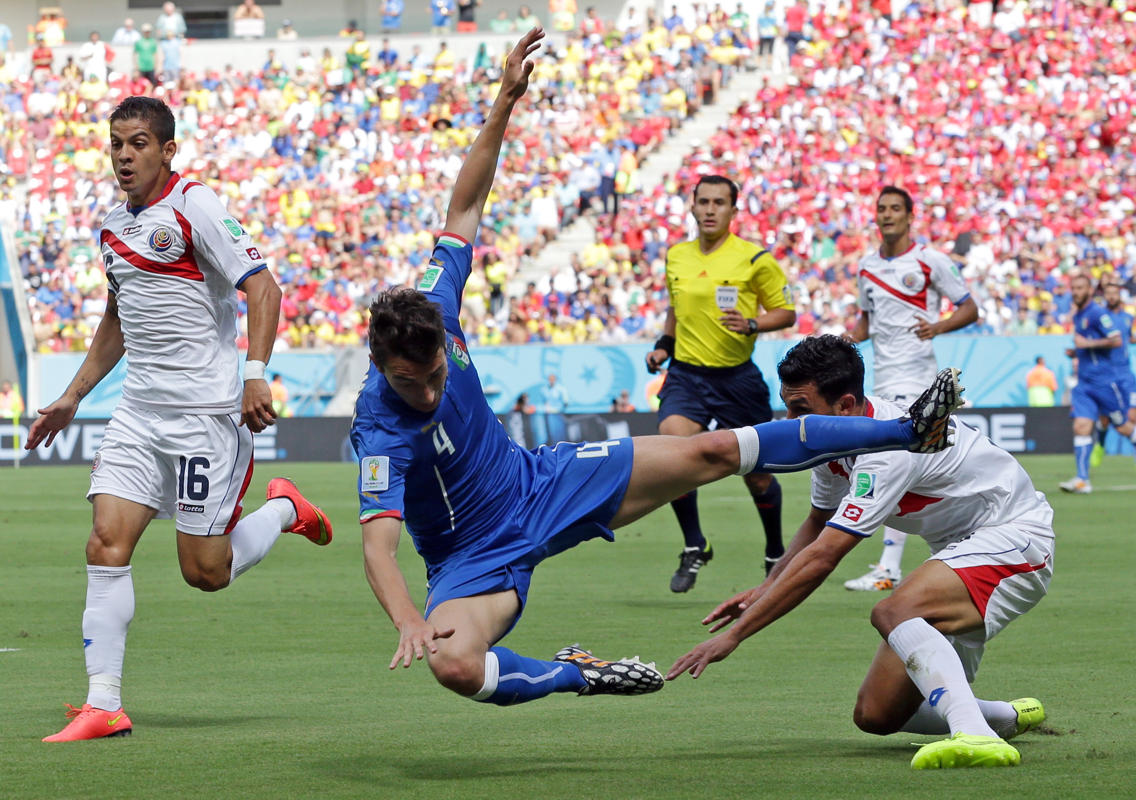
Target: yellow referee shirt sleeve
{"points": [[770, 285]]}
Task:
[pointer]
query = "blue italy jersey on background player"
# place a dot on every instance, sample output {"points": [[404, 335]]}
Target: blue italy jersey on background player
{"points": [[481, 510], [1097, 393], [1121, 358]]}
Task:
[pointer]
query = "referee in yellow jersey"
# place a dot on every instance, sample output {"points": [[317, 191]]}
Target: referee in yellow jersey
{"points": [[724, 291]]}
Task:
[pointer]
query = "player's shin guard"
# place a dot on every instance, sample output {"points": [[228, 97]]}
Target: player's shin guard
{"points": [[1082, 452], [512, 679], [934, 667], [791, 445], [110, 608]]}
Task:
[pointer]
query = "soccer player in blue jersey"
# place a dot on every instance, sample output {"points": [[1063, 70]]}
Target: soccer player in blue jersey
{"points": [[1110, 291], [1099, 392], [483, 511]]}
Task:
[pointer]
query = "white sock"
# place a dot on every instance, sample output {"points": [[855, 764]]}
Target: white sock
{"points": [[936, 670], [110, 607], [492, 675], [892, 556], [749, 447], [998, 714], [255, 534]]}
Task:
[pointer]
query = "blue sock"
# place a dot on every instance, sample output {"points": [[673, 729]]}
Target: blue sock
{"points": [[1082, 451], [512, 679], [790, 445]]}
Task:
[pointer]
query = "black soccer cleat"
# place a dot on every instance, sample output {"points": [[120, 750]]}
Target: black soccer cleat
{"points": [[627, 676], [690, 560], [930, 414]]}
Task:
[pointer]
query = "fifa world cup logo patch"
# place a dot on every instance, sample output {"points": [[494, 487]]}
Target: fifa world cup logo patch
{"points": [[162, 239]]}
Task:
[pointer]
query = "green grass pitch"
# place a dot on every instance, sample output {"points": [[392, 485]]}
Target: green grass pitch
{"points": [[278, 687]]}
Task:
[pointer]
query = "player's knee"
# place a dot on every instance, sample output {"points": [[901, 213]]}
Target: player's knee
{"points": [[103, 547], [205, 579], [872, 718], [718, 451], [463, 676], [885, 615]]}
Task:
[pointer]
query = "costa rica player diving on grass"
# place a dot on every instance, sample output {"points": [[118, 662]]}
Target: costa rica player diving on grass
{"points": [[483, 511], [991, 538]]}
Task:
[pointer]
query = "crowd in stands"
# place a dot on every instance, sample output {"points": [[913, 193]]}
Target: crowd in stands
{"points": [[1015, 139], [340, 163]]}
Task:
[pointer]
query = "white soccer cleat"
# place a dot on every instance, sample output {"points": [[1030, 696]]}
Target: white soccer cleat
{"points": [[878, 580], [1076, 486]]}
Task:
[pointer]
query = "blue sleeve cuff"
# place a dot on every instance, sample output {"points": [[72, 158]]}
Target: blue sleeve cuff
{"points": [[840, 527], [252, 271]]}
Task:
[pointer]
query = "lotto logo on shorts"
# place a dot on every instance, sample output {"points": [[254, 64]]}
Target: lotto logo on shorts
{"points": [[192, 508], [162, 239], [852, 513], [253, 253]]}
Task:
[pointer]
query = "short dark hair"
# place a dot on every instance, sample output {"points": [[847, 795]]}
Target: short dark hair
{"points": [[908, 203], [156, 114], [832, 363], [405, 324], [718, 180]]}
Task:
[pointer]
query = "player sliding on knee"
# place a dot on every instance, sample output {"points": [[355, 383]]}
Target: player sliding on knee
{"points": [[991, 539]]}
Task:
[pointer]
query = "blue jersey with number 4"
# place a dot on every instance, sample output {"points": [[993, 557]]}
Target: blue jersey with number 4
{"points": [[467, 493]]}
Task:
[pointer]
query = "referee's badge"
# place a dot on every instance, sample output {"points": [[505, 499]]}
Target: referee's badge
{"points": [[727, 297]]}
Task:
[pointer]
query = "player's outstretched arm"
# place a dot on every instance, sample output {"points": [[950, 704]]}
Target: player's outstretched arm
{"points": [[107, 349], [263, 298], [380, 553], [799, 578], [476, 176], [730, 610]]}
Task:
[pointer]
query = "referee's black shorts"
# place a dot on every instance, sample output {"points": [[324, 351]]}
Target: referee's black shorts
{"points": [[715, 397]]}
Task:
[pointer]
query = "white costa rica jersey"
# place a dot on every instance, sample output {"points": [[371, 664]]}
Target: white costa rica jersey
{"points": [[944, 497], [173, 266], [896, 293]]}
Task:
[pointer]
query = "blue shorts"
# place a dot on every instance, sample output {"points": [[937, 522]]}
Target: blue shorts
{"points": [[715, 397], [1127, 386], [574, 494], [1093, 399]]}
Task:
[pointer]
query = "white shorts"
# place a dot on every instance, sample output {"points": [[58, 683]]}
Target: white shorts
{"points": [[1006, 569], [193, 468]]}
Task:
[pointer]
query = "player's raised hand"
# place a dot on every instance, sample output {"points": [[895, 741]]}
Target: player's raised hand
{"points": [[518, 66], [256, 406], [702, 656], [51, 421], [731, 609], [414, 639]]}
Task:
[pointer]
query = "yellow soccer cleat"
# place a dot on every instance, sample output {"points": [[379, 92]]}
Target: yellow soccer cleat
{"points": [[1031, 714], [966, 750]]}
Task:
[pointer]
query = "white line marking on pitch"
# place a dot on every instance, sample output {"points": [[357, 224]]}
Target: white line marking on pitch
{"points": [[9, 649]]}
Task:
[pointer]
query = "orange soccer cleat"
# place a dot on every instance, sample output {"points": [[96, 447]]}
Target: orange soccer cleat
{"points": [[89, 722], [310, 521]]}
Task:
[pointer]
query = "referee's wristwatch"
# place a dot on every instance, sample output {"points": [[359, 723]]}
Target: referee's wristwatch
{"points": [[752, 326]]}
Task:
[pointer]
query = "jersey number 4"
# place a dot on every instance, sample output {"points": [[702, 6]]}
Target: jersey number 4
{"points": [[442, 443], [595, 449]]}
